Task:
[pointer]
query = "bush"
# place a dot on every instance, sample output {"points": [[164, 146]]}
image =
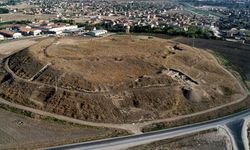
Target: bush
{"points": [[4, 11]]}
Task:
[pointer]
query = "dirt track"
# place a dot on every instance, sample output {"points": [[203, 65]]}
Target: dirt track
{"points": [[13, 46]]}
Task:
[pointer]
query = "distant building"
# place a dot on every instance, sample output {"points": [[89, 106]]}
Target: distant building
{"points": [[74, 30], [56, 28], [97, 32], [60, 29], [128, 29], [29, 31], [10, 34]]}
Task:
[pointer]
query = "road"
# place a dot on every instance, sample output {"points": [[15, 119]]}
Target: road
{"points": [[134, 140]]}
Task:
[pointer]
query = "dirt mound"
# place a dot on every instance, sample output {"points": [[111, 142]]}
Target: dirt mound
{"points": [[116, 79]]}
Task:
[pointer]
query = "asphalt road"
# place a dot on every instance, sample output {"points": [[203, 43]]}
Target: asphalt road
{"points": [[134, 140]]}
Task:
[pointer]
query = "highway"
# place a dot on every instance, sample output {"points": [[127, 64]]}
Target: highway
{"points": [[135, 140]]}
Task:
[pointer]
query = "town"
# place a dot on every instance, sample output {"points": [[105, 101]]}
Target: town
{"points": [[203, 20]]}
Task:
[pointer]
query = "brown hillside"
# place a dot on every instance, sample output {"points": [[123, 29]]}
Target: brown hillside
{"points": [[117, 79]]}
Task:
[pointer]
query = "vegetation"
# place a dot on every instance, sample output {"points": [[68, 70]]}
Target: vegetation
{"points": [[86, 25], [192, 31], [10, 2], [13, 22], [17, 111], [4, 11], [67, 21]]}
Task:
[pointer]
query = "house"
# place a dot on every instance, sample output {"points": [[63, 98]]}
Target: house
{"points": [[10, 34], [18, 26], [97, 32], [29, 31]]}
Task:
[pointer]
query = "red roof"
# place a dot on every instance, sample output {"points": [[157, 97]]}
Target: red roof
{"points": [[24, 29], [7, 32]]}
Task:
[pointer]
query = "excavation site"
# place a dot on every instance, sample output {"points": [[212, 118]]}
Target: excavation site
{"points": [[116, 79]]}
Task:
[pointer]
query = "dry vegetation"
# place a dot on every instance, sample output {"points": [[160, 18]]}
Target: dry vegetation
{"points": [[117, 79]]}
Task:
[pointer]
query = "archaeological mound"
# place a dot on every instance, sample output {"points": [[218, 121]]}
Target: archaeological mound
{"points": [[116, 79]]}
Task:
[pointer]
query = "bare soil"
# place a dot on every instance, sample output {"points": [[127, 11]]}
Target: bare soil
{"points": [[21, 132], [117, 79]]}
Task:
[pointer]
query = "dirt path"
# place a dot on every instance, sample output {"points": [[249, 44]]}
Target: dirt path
{"points": [[13, 46]]}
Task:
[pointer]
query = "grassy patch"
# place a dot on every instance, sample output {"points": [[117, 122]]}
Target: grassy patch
{"points": [[17, 111]]}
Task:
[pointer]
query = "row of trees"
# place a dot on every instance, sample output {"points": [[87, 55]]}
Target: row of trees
{"points": [[10, 2], [192, 31], [67, 21], [3, 24], [4, 11]]}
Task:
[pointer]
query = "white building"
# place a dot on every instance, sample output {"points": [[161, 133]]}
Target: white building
{"points": [[97, 32], [35, 32], [59, 30]]}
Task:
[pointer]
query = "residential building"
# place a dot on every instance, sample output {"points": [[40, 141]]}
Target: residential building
{"points": [[10, 34], [97, 32]]}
